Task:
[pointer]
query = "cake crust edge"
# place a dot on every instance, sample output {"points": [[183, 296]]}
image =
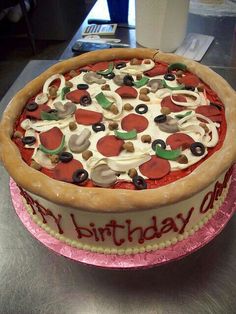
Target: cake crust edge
{"points": [[117, 200]]}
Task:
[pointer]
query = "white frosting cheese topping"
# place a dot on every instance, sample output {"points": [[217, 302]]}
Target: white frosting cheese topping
{"points": [[185, 121]]}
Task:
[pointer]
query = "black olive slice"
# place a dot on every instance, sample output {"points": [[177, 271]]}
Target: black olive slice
{"points": [[85, 101], [189, 87], [139, 183], [65, 157], [98, 127], [197, 149], [28, 140], [160, 119], [120, 65], [32, 106], [141, 108], [82, 86], [169, 77], [159, 142], [128, 80], [109, 75], [80, 176]]}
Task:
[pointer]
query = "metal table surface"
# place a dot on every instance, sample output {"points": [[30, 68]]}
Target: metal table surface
{"points": [[36, 280], [222, 52]]}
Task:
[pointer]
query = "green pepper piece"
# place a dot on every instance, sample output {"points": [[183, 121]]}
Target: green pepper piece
{"points": [[103, 101], [126, 135], [167, 154], [177, 66], [180, 116], [64, 91], [108, 71], [181, 86], [144, 80], [49, 115], [53, 151]]}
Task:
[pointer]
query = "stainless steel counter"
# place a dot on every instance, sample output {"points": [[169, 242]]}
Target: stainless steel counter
{"points": [[36, 280], [222, 52]]}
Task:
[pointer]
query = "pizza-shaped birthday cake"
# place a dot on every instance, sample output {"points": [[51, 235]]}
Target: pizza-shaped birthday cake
{"points": [[122, 151]]}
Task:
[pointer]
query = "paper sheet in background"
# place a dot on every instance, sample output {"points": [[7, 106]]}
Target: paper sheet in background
{"points": [[194, 46]]}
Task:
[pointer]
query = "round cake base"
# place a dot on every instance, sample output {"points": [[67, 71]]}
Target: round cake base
{"points": [[142, 260]]}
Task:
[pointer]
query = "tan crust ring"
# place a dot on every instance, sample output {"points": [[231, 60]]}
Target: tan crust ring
{"points": [[92, 199]]}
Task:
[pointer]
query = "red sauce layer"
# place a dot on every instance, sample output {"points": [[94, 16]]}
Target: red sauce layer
{"points": [[121, 184]]}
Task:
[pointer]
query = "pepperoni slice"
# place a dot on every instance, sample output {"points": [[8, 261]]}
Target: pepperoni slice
{"points": [[76, 95], [155, 168], [18, 123], [211, 95], [36, 114], [167, 102], [110, 145], [210, 112], [179, 140], [208, 89], [52, 138], [217, 118], [87, 117], [189, 79], [26, 153], [134, 121], [126, 92], [64, 171], [100, 66], [55, 83], [159, 69]]}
